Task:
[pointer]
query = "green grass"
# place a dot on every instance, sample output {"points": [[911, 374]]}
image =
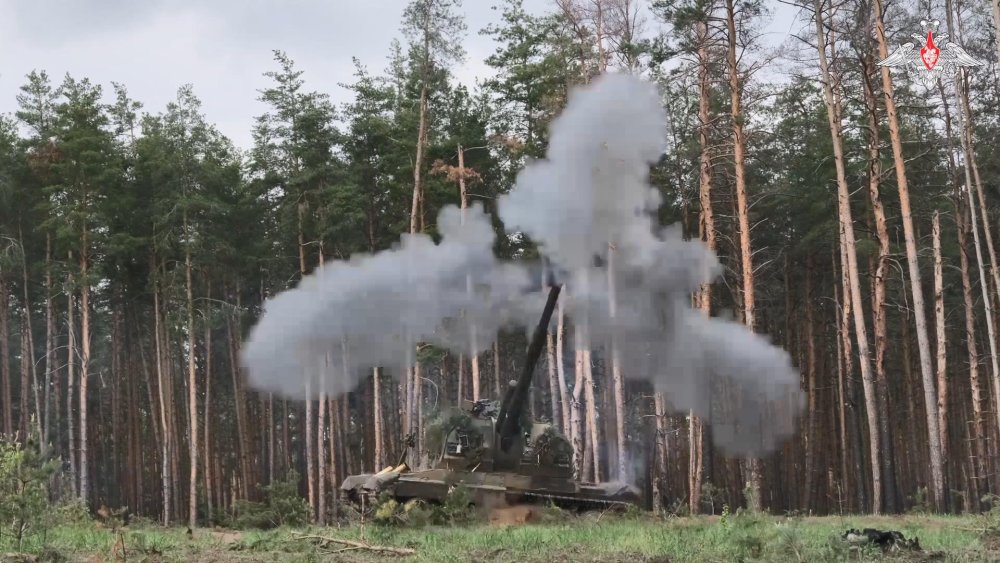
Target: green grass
{"points": [[588, 538]]}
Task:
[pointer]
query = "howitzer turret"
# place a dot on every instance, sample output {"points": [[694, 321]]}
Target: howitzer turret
{"points": [[496, 453]]}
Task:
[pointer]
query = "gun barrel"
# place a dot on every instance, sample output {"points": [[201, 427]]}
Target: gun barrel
{"points": [[510, 413]]}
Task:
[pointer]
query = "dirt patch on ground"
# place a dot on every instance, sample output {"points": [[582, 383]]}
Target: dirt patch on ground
{"points": [[515, 515], [226, 537]]}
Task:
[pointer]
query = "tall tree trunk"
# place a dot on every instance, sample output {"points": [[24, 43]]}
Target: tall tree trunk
{"points": [[550, 354], [310, 460], [24, 426], [971, 165], [879, 311], [334, 441], [321, 475], [927, 378], [564, 395], [576, 413], [379, 457], [842, 400], [473, 353], [30, 341], [84, 362], [589, 394], [811, 375], [845, 330], [706, 226], [162, 392], [752, 465], [415, 208], [239, 407], [979, 430], [657, 473], [192, 392], [207, 442], [71, 355], [942, 363], [8, 411], [850, 265], [50, 330], [616, 374]]}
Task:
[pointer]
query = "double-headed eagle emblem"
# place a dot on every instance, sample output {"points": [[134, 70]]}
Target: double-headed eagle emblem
{"points": [[930, 61]]}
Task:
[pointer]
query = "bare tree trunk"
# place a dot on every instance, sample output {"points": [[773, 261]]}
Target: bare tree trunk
{"points": [[616, 374], [850, 265], [418, 381], [848, 310], [239, 406], [8, 411], [71, 355], [24, 426], [473, 354], [706, 226], [321, 475], [845, 478], [209, 481], [321, 454], [310, 460], [576, 413], [334, 439], [752, 466], [84, 363], [657, 480], [979, 430], [162, 392], [971, 165], [810, 433], [879, 311], [662, 447], [377, 400], [695, 462], [589, 393], [927, 378], [550, 353], [192, 392], [564, 395], [30, 341], [942, 365], [50, 330]]}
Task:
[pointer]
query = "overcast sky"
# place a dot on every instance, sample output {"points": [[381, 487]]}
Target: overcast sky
{"points": [[223, 47]]}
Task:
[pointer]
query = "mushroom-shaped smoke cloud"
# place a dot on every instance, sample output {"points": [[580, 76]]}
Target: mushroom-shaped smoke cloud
{"points": [[590, 209]]}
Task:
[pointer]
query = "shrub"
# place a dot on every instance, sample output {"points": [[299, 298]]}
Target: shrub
{"points": [[282, 506], [24, 493]]}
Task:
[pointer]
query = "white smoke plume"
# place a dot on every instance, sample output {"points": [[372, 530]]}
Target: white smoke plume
{"points": [[592, 191], [348, 317]]}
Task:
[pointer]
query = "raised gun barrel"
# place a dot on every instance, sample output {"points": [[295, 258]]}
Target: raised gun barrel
{"points": [[508, 421]]}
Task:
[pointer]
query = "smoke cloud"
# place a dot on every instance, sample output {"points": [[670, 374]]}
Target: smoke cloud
{"points": [[590, 195]]}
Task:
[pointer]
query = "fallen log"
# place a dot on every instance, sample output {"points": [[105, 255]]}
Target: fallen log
{"points": [[357, 545]]}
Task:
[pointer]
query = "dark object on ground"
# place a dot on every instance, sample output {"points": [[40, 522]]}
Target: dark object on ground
{"points": [[885, 540]]}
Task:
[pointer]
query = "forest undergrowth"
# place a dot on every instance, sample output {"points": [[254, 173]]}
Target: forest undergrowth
{"points": [[554, 536]]}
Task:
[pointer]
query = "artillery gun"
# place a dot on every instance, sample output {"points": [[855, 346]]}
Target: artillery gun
{"points": [[498, 455]]}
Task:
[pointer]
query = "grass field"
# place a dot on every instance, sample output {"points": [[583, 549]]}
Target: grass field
{"points": [[589, 538]]}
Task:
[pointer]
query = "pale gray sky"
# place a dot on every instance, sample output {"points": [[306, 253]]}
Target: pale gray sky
{"points": [[223, 47]]}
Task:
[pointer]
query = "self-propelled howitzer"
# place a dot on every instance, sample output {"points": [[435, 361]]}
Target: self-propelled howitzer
{"points": [[496, 453]]}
